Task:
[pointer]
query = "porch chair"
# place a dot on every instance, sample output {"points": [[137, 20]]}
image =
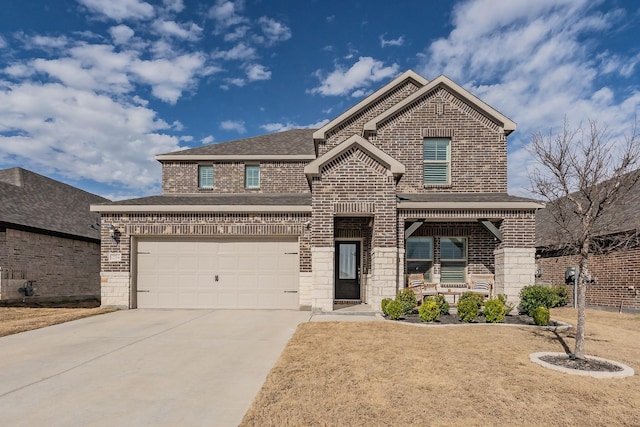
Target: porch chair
{"points": [[481, 284], [416, 283]]}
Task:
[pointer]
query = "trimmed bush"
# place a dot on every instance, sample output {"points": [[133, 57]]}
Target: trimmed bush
{"points": [[383, 305], [429, 311], [469, 307], [407, 299], [494, 311], [394, 310], [443, 305], [507, 305], [532, 297], [540, 316]]}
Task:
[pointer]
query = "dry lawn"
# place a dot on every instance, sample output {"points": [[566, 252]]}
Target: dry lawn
{"points": [[20, 319], [385, 373]]}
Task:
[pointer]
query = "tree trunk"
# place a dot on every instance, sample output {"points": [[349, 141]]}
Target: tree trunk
{"points": [[582, 302]]}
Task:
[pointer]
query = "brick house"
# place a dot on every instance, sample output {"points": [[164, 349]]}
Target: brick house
{"points": [[46, 237], [411, 179], [615, 274]]}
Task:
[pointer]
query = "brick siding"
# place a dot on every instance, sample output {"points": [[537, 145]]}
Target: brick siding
{"points": [[614, 273], [61, 267], [228, 177]]}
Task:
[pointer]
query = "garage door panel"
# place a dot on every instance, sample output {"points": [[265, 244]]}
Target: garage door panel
{"points": [[251, 272]]}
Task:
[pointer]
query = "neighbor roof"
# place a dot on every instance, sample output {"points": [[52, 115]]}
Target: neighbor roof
{"points": [[290, 144], [33, 201]]}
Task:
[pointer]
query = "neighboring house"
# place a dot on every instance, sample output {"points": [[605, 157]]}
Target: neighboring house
{"points": [[411, 179], [615, 273], [46, 238]]}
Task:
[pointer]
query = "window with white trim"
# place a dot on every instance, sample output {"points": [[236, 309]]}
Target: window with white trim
{"points": [[252, 176], [205, 176], [420, 256], [436, 166], [453, 260]]}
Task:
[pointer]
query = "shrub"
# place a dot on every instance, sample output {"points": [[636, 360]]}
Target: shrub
{"points": [[508, 307], [532, 297], [429, 311], [394, 310], [540, 316], [383, 305], [443, 305], [407, 299], [469, 307], [494, 310]]}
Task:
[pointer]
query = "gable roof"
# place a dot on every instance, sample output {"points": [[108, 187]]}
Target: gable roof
{"points": [[294, 144], [407, 76], [503, 121], [394, 166], [34, 202]]}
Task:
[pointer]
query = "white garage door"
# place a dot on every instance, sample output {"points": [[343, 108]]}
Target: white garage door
{"points": [[208, 273]]}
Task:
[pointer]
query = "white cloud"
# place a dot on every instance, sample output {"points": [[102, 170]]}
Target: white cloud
{"points": [[233, 125], [44, 42], [280, 127], [273, 30], [226, 14], [241, 51], [173, 5], [238, 33], [207, 140], [121, 34], [393, 42], [361, 75], [120, 10], [258, 72], [551, 66], [81, 133], [3, 43], [184, 31]]}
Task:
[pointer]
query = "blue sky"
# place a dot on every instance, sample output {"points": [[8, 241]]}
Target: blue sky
{"points": [[91, 90]]}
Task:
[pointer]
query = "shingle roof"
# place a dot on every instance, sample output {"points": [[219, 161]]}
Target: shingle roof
{"points": [[268, 199], [622, 217], [287, 143], [31, 200]]}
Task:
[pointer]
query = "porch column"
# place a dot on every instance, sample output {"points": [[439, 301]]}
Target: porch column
{"points": [[384, 270], [322, 259], [514, 269]]}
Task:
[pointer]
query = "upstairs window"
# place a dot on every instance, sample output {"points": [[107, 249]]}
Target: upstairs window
{"points": [[205, 176], [436, 167], [453, 260], [420, 256], [252, 176]]}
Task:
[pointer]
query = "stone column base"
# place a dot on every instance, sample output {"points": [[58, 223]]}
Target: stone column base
{"points": [[514, 269], [384, 276], [322, 259], [115, 289]]}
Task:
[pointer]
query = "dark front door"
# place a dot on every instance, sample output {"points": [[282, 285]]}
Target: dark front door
{"points": [[347, 270]]}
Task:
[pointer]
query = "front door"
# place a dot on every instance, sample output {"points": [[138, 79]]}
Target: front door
{"points": [[347, 270]]}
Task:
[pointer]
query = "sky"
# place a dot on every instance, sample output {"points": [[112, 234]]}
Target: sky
{"points": [[92, 90]]}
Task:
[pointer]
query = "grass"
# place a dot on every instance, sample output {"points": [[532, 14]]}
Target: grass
{"points": [[385, 373], [19, 319]]}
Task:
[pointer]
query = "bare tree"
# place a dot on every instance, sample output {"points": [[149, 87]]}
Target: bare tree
{"points": [[584, 174]]}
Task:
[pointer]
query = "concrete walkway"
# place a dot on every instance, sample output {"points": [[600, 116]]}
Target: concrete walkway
{"points": [[142, 368]]}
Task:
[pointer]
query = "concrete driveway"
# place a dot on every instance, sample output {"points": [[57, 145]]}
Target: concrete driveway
{"points": [[142, 368]]}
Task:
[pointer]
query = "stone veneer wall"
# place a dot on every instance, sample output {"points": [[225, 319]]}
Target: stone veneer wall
{"points": [[116, 255], [515, 269], [60, 267], [228, 177], [614, 274]]}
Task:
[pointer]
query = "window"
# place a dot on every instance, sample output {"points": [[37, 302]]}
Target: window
{"points": [[252, 176], [420, 256], [453, 260], [205, 176], [436, 161]]}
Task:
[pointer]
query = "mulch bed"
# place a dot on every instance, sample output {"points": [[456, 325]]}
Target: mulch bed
{"points": [[566, 361], [452, 319]]}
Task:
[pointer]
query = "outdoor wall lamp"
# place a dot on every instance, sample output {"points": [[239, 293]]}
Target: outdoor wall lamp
{"points": [[112, 231]]}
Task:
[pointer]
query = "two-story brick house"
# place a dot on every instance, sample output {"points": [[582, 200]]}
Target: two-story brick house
{"points": [[411, 179]]}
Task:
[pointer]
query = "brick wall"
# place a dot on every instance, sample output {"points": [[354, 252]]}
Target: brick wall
{"points": [[228, 177], [478, 147], [199, 224], [614, 274], [61, 267]]}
